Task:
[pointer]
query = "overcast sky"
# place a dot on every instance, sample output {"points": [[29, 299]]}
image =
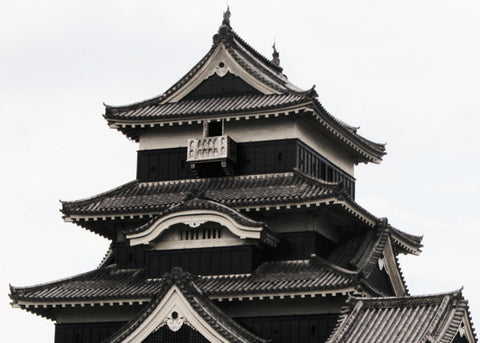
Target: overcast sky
{"points": [[406, 71]]}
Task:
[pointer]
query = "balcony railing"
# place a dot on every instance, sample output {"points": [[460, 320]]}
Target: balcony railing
{"points": [[207, 149]]}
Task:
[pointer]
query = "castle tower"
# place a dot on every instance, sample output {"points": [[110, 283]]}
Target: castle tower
{"points": [[241, 224]]}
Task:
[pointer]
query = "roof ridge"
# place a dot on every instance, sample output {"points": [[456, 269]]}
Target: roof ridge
{"points": [[255, 52], [277, 75], [457, 294], [254, 73], [334, 185], [376, 251], [333, 267]]}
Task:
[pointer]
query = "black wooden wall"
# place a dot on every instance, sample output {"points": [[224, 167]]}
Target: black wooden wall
{"points": [[300, 246], [280, 329], [205, 261], [85, 332], [223, 260], [277, 156], [292, 329]]}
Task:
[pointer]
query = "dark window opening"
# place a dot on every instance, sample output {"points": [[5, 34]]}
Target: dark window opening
{"points": [[329, 174], [200, 233], [214, 128]]}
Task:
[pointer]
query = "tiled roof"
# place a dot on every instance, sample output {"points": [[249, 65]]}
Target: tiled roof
{"points": [[114, 283], [103, 283], [235, 192], [253, 62], [282, 276], [405, 242], [314, 275], [432, 318], [286, 98], [203, 307], [208, 106]]}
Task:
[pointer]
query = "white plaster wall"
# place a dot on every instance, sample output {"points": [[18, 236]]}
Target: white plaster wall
{"points": [[312, 136], [254, 130], [169, 137]]}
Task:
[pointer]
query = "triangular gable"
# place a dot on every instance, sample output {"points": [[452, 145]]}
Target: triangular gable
{"points": [[183, 304], [230, 55], [220, 63]]}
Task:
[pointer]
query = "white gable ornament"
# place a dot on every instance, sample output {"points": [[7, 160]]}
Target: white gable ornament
{"points": [[175, 320]]}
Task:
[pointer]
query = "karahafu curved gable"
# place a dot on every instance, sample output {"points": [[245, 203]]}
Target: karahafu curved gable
{"points": [[195, 218]]}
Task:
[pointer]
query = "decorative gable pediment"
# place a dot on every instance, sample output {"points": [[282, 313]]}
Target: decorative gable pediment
{"points": [[220, 64], [181, 309], [194, 213], [173, 312]]}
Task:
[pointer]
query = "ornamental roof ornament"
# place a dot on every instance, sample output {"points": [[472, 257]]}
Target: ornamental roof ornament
{"points": [[225, 30], [226, 17], [275, 55]]}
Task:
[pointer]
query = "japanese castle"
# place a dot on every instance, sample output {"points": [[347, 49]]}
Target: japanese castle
{"points": [[242, 225]]}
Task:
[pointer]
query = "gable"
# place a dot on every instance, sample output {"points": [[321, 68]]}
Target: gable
{"points": [[195, 212], [174, 313], [180, 312], [220, 63]]}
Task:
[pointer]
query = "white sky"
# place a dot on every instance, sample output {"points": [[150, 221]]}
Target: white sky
{"points": [[406, 71]]}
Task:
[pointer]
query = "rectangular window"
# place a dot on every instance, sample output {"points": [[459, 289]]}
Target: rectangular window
{"points": [[213, 128]]}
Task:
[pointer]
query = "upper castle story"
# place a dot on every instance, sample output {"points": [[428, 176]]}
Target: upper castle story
{"points": [[236, 113]]}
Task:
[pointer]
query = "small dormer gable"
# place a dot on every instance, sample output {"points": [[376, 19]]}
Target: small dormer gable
{"points": [[206, 221]]}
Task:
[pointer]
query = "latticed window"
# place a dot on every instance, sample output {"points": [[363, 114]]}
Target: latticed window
{"points": [[201, 233]]}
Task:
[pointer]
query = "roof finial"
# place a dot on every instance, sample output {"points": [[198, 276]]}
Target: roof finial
{"points": [[275, 54], [226, 16]]}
